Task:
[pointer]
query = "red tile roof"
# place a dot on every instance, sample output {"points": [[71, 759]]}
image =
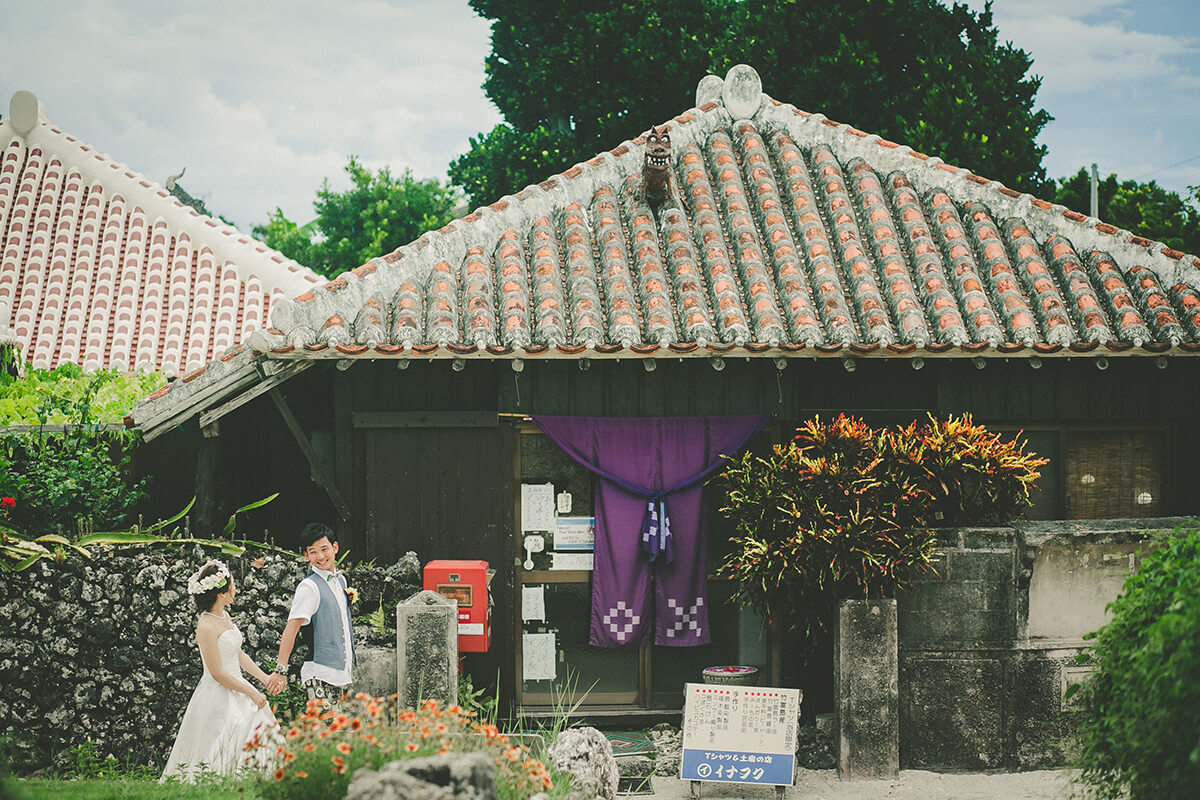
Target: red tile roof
{"points": [[786, 234], [786, 228], [102, 267]]}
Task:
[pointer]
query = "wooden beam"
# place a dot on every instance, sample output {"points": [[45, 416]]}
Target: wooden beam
{"points": [[343, 452], [306, 447], [267, 384], [425, 419]]}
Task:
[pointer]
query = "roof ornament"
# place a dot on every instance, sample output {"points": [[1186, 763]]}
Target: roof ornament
{"points": [[656, 165], [170, 184], [742, 92], [708, 90], [25, 112]]}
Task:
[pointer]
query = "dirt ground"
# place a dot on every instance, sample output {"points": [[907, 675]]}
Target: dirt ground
{"points": [[912, 785]]}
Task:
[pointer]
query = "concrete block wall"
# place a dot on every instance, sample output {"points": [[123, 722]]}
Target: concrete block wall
{"points": [[987, 645]]}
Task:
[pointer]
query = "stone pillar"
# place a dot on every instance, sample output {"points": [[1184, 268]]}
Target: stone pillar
{"points": [[427, 649], [866, 690]]}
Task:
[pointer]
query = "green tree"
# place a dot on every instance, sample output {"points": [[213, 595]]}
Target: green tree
{"points": [[1145, 209], [596, 73], [377, 214]]}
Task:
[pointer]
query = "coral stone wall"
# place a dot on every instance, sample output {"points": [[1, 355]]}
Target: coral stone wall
{"points": [[104, 649]]}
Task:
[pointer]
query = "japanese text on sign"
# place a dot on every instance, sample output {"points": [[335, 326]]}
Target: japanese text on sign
{"points": [[740, 734]]}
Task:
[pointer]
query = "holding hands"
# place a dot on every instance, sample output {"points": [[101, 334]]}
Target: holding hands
{"points": [[276, 682]]}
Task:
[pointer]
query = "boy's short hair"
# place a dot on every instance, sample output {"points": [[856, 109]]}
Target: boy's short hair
{"points": [[314, 531]]}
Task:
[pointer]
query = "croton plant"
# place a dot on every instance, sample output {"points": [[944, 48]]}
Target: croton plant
{"points": [[847, 510]]}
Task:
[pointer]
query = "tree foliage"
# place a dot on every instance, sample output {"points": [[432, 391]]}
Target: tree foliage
{"points": [[596, 73], [377, 214], [1145, 209], [55, 478], [846, 509], [1141, 733]]}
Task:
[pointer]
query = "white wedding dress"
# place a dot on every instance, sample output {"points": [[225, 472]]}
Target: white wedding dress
{"points": [[219, 722]]}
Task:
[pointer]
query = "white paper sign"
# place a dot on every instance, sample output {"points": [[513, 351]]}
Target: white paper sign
{"points": [[739, 734], [575, 533], [571, 561], [538, 657], [537, 506], [533, 603]]}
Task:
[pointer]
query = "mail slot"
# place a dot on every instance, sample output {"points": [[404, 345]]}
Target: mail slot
{"points": [[467, 582]]}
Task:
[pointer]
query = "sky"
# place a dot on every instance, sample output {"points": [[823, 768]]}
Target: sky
{"points": [[262, 101]]}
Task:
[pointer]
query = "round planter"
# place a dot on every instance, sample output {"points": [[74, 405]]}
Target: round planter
{"points": [[731, 675]]}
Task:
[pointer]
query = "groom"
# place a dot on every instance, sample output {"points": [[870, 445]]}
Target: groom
{"points": [[321, 602]]}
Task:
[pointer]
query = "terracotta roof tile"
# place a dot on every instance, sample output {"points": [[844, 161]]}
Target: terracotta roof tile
{"points": [[101, 267], [782, 232]]}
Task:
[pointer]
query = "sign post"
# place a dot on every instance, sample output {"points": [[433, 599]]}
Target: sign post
{"points": [[739, 734]]}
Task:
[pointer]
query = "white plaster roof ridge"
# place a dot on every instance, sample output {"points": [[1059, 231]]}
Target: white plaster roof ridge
{"points": [[273, 270], [926, 175], [384, 275]]}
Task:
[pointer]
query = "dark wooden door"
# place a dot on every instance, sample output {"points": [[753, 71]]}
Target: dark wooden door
{"points": [[446, 493]]}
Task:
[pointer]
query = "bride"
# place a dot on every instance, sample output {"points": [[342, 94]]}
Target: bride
{"points": [[225, 711]]}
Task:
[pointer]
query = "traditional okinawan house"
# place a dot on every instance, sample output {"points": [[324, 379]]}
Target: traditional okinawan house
{"points": [[786, 265], [102, 267]]}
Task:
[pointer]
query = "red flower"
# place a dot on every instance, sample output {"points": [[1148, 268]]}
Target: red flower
{"points": [[7, 502]]}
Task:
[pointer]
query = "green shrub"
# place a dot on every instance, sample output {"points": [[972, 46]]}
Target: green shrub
{"points": [[57, 478], [1141, 733], [67, 394], [846, 510]]}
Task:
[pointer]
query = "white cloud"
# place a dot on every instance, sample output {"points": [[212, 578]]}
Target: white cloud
{"points": [[1119, 77], [260, 101]]}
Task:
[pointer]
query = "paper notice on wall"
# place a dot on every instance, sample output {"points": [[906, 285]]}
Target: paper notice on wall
{"points": [[533, 603], [571, 561], [538, 660], [575, 533], [537, 506]]}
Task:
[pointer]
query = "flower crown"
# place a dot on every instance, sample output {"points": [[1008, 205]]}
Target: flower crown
{"points": [[198, 585]]}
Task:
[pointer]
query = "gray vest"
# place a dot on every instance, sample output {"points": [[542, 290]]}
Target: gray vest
{"points": [[326, 626]]}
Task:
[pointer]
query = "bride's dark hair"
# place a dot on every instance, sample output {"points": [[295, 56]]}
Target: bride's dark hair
{"points": [[205, 600]]}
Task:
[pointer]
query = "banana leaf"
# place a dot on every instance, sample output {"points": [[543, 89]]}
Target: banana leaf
{"points": [[232, 524]]}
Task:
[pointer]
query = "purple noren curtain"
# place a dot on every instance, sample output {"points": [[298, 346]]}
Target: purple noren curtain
{"points": [[649, 512]]}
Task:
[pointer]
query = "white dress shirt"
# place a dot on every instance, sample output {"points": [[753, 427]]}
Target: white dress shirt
{"points": [[304, 605]]}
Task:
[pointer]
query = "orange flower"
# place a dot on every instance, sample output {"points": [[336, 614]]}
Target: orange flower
{"points": [[429, 705], [289, 757], [308, 748], [301, 774], [442, 752], [293, 733], [342, 719], [362, 696], [323, 734], [334, 727], [454, 710], [440, 727], [373, 709], [339, 765], [355, 724], [279, 774], [411, 747], [345, 748], [513, 753]]}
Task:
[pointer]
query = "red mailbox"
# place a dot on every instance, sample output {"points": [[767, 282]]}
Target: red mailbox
{"points": [[467, 582]]}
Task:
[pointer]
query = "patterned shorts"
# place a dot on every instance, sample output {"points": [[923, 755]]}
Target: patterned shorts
{"points": [[327, 693]]}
